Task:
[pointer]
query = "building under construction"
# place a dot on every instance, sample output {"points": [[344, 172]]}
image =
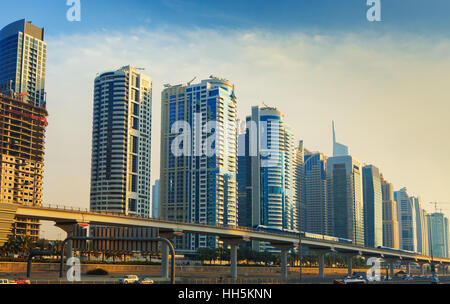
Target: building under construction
{"points": [[22, 133]]}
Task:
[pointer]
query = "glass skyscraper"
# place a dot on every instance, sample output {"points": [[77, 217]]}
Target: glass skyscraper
{"points": [[406, 214], [438, 234], [345, 198], [267, 173], [199, 157], [390, 221], [373, 207], [23, 56], [121, 142], [338, 148], [314, 194], [420, 225]]}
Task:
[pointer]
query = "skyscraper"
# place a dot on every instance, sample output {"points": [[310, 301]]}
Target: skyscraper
{"points": [[425, 240], [390, 221], [22, 134], [406, 215], [345, 198], [155, 199], [199, 157], [438, 234], [121, 137], [373, 206], [23, 55], [315, 192], [299, 182], [420, 223], [270, 173], [338, 149]]}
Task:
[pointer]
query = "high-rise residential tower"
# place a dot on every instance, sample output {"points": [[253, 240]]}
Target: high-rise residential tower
{"points": [[406, 215], [270, 172], [420, 224], [199, 157], [23, 55], [390, 221], [438, 234], [373, 206], [22, 134], [315, 192], [345, 198], [299, 182], [121, 138]]}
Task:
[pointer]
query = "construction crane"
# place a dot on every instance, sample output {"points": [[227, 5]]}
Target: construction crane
{"points": [[189, 82], [436, 203]]}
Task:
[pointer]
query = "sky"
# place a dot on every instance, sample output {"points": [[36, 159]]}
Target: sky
{"points": [[384, 83]]}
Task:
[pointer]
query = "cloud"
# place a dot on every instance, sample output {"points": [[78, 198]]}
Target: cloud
{"points": [[387, 94]]}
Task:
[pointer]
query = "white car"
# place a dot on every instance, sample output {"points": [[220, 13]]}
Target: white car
{"points": [[5, 281], [129, 279]]}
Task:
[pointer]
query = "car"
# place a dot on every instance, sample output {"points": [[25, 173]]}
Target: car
{"points": [[349, 280], [129, 279], [145, 281], [5, 281], [359, 275], [22, 281], [407, 277], [435, 279]]}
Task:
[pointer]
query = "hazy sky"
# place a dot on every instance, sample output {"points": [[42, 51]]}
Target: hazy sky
{"points": [[385, 84]]}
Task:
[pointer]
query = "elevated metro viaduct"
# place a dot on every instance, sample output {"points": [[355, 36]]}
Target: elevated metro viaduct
{"points": [[65, 218]]}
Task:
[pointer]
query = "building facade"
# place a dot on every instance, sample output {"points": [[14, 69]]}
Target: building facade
{"points": [[338, 148], [438, 235], [199, 157], [299, 182], [23, 55], [390, 221], [421, 234], [406, 214], [270, 169], [22, 134], [345, 198], [373, 206], [155, 199], [121, 142], [315, 192]]}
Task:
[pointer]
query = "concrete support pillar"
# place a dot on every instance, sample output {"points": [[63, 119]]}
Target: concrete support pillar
{"points": [[233, 242], [422, 269], [321, 265], [68, 228], [164, 260], [284, 273], [233, 253], [350, 265], [391, 269], [408, 268], [284, 248]]}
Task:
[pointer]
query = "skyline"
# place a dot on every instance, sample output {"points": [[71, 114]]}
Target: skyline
{"points": [[387, 69]]}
